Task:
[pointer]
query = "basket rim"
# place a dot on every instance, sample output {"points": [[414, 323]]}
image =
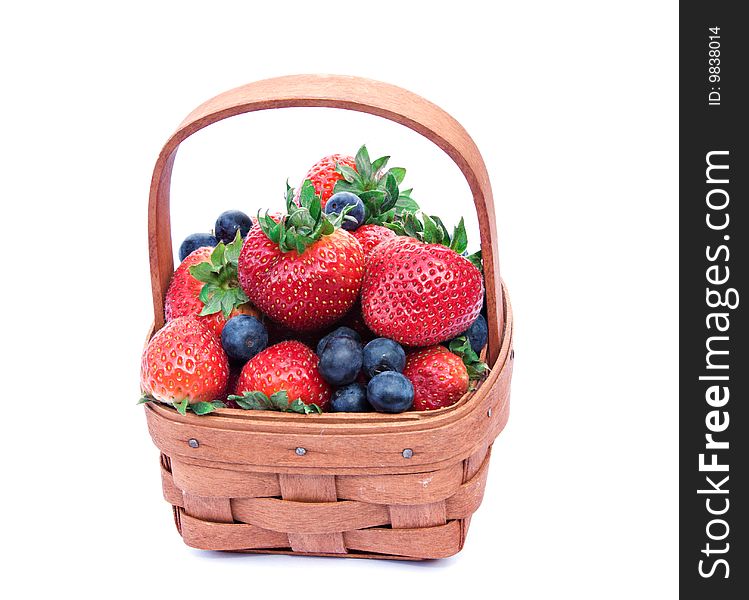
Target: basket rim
{"points": [[352, 423]]}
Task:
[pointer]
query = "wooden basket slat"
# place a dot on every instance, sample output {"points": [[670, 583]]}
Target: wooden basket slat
{"points": [[207, 508], [309, 517], [206, 535], [411, 488], [210, 481], [429, 542], [411, 516]]}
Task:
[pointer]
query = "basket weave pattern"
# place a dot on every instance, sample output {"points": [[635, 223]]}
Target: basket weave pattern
{"points": [[364, 513]]}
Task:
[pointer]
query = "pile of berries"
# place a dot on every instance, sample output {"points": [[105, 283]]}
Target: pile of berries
{"points": [[391, 302]]}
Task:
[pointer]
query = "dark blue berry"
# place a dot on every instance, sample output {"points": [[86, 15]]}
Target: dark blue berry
{"points": [[193, 242], [337, 202], [341, 360], [477, 334], [382, 354], [390, 392], [243, 337], [350, 398], [227, 224], [340, 332]]}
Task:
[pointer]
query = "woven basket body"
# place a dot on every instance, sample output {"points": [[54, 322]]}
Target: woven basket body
{"points": [[361, 485]]}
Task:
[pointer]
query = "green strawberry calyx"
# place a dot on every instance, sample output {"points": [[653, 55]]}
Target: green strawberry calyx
{"points": [[474, 365], [199, 408], [305, 222], [278, 401], [431, 230], [378, 188], [221, 291]]}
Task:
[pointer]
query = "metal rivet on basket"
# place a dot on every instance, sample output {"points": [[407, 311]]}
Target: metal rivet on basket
{"points": [[512, 354], [489, 413], [301, 451], [193, 443], [407, 453]]}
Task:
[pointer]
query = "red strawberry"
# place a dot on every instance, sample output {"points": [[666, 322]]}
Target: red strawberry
{"points": [[290, 366], [301, 271], [439, 377], [184, 360], [183, 298], [324, 176], [371, 236], [420, 294]]}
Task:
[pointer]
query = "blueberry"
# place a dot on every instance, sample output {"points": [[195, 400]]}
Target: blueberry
{"points": [[337, 202], [243, 337], [341, 360], [193, 242], [350, 398], [477, 333], [227, 224], [382, 354], [340, 332], [390, 392]]}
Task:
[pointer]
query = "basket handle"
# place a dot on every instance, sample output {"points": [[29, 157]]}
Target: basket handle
{"points": [[332, 91]]}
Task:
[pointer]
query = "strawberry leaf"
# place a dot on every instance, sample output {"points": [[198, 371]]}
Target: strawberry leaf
{"points": [[304, 224], [379, 164], [431, 230], [278, 401], [406, 204], [315, 210], [399, 173], [476, 260], [227, 304], [441, 225], [181, 406], [221, 291], [459, 241], [202, 408], [349, 175], [412, 226], [144, 399], [212, 307], [432, 233], [391, 193], [234, 249], [203, 272], [396, 227], [327, 227], [373, 198], [462, 347], [217, 256], [363, 163]]}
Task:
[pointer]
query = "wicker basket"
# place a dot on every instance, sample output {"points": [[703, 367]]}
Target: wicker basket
{"points": [[359, 485]]}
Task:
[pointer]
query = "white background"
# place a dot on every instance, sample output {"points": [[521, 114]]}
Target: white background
{"points": [[574, 107]]}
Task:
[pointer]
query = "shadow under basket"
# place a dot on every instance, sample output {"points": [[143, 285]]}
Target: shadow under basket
{"points": [[364, 485]]}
